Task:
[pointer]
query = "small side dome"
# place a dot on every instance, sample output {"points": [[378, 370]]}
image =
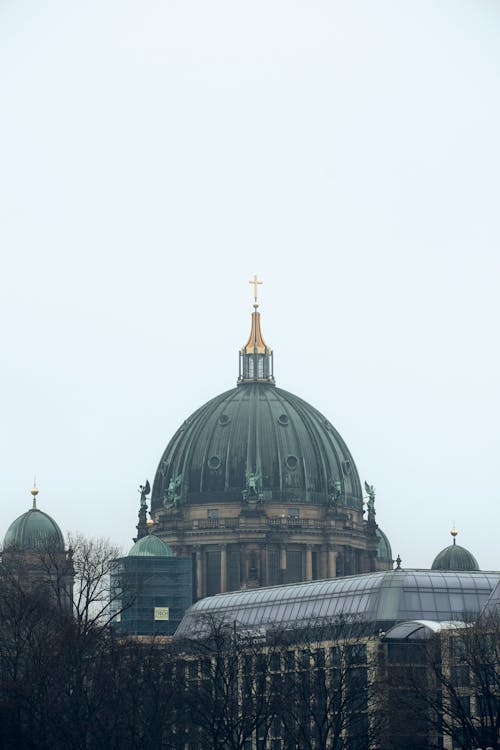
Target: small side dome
{"points": [[150, 546], [384, 551], [455, 557], [34, 530]]}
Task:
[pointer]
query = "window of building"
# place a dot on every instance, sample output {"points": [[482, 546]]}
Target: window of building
{"points": [[305, 658], [290, 661], [460, 676], [460, 705], [275, 663], [356, 653], [319, 658], [457, 646], [335, 655]]}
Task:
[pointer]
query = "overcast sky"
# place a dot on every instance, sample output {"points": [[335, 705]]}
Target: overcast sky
{"points": [[155, 155]]}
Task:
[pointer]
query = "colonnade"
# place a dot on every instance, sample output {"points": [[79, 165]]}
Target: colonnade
{"points": [[254, 565]]}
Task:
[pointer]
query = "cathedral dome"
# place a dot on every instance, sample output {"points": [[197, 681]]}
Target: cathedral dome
{"points": [[34, 530], [258, 443], [455, 557]]}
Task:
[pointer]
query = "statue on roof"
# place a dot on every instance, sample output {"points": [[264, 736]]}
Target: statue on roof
{"points": [[174, 492], [252, 491], [334, 493], [144, 489], [142, 527], [370, 505]]}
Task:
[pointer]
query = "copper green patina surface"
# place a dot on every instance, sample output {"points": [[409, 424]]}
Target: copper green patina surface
{"points": [[257, 441], [34, 530], [384, 551], [150, 546], [455, 557]]}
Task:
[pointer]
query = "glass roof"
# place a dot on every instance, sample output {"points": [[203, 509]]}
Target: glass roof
{"points": [[492, 606], [383, 597], [419, 629]]}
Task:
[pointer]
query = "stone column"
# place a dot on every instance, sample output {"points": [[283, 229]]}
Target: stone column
{"points": [[199, 573], [332, 563], [223, 568], [264, 578], [282, 563], [323, 562], [309, 563], [243, 566]]}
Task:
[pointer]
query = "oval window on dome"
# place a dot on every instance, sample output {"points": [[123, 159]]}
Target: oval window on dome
{"points": [[224, 419], [346, 468], [283, 419], [291, 462], [214, 462]]}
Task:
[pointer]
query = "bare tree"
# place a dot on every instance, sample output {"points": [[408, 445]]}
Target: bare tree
{"points": [[53, 637], [92, 599], [327, 684], [446, 685], [228, 698], [309, 688], [33, 660]]}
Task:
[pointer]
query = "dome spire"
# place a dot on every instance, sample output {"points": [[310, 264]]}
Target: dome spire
{"points": [[256, 358], [454, 533], [34, 492]]}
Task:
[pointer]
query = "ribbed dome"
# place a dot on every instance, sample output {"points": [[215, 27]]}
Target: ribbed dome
{"points": [[261, 441], [455, 557], [34, 530], [384, 551], [150, 546]]}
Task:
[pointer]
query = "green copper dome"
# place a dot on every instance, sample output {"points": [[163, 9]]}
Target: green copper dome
{"points": [[455, 557], [384, 551], [257, 441], [150, 546], [34, 530]]}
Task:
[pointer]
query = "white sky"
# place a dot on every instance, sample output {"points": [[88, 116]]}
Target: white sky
{"points": [[155, 155]]}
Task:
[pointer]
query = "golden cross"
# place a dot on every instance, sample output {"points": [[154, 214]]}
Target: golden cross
{"points": [[255, 281]]}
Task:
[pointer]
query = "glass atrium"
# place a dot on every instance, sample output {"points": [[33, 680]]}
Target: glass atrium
{"points": [[380, 599]]}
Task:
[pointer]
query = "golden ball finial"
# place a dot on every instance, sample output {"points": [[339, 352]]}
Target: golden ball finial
{"points": [[34, 492], [454, 532], [150, 522]]}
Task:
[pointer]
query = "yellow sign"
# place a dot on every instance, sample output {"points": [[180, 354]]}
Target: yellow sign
{"points": [[162, 613]]}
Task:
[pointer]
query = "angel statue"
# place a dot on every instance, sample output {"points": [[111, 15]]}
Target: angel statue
{"points": [[173, 494], [252, 487], [370, 505], [144, 489]]}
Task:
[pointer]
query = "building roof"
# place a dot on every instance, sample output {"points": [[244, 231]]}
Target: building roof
{"points": [[150, 546], [34, 530], [383, 597], [417, 630], [492, 606]]}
